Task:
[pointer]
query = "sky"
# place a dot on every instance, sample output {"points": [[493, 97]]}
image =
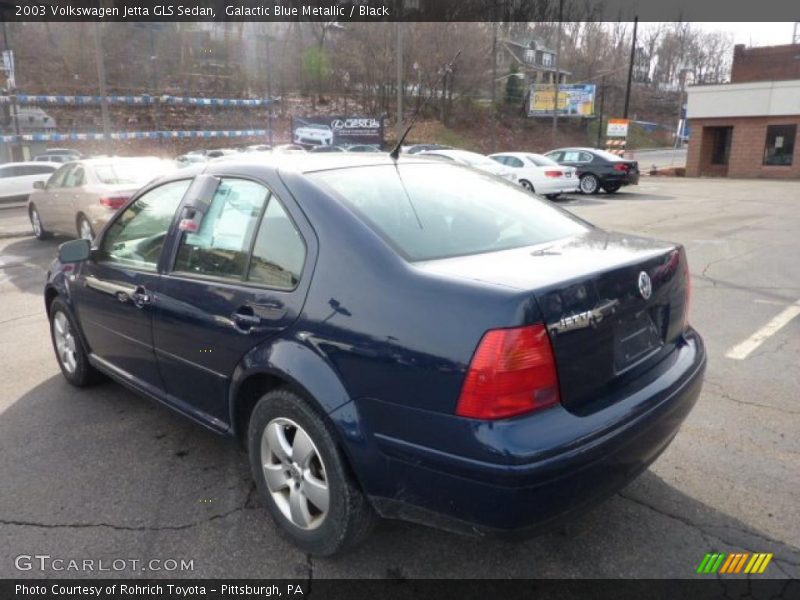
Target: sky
{"points": [[754, 34]]}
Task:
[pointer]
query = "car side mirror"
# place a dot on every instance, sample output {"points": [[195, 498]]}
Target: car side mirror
{"points": [[74, 251], [38, 185]]}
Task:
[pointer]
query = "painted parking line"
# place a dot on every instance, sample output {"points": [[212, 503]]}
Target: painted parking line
{"points": [[744, 349]]}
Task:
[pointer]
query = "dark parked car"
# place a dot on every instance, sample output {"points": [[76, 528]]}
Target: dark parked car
{"points": [[317, 149], [597, 168], [412, 339]]}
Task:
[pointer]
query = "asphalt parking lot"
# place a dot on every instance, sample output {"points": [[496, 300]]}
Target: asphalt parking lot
{"points": [[104, 474]]}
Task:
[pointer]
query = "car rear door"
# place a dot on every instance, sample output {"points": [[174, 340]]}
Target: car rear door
{"points": [[47, 200], [115, 289], [233, 283]]}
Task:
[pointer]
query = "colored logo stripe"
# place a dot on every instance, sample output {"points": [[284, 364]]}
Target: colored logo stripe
{"points": [[714, 562]]}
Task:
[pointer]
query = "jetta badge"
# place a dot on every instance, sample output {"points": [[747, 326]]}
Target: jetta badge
{"points": [[645, 286]]}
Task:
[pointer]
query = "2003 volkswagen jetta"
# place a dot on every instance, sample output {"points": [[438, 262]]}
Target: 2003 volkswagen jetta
{"points": [[408, 338]]}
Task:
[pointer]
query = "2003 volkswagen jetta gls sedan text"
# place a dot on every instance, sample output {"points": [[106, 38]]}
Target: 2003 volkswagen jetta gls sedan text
{"points": [[410, 339]]}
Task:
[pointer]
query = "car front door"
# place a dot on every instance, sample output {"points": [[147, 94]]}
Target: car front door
{"points": [[47, 200], [117, 286], [235, 282]]}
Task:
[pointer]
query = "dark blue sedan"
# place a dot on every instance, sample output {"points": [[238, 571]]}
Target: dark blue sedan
{"points": [[410, 339]]}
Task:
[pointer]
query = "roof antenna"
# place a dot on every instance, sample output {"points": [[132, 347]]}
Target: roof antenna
{"points": [[395, 153]]}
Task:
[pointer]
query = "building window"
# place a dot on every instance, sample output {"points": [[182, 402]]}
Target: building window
{"points": [[547, 59], [779, 147], [529, 54]]}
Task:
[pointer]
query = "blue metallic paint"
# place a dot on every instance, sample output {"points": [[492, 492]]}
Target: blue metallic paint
{"points": [[383, 345]]}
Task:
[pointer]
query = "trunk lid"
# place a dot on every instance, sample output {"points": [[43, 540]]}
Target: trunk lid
{"points": [[613, 305]]}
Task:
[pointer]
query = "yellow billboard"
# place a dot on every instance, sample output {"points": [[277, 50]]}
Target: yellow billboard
{"points": [[574, 100]]}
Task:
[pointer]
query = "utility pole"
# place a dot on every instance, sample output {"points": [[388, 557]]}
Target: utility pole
{"points": [[12, 96], [602, 104], [101, 78], [630, 67], [494, 85], [269, 84], [399, 61], [557, 74]]}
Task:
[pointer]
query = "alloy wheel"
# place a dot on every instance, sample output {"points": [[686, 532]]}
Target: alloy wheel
{"points": [[65, 342], [295, 473], [36, 223], [589, 184], [85, 230]]}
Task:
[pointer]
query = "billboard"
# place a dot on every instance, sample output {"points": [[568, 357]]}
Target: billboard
{"points": [[336, 130], [574, 100]]}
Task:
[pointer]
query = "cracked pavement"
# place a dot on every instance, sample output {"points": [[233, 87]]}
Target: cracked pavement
{"points": [[104, 474]]}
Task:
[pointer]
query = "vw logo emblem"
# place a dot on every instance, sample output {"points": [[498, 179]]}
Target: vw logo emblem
{"points": [[645, 286]]}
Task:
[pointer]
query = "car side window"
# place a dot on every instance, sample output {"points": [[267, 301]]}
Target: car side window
{"points": [[501, 159], [221, 246], [556, 156], [137, 235], [74, 178], [279, 252], [57, 180], [5, 172], [513, 161], [585, 157]]}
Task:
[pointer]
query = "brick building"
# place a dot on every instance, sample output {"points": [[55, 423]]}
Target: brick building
{"points": [[749, 127]]}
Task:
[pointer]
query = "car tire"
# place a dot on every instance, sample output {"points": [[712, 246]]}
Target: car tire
{"points": [[611, 188], [67, 344], [589, 184], [36, 223], [311, 494], [84, 228], [527, 185]]}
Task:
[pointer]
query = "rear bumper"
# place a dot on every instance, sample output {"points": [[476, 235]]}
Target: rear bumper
{"points": [[621, 179], [525, 474], [562, 186]]}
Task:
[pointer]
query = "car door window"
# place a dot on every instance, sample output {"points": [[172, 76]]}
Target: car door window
{"points": [[74, 177], [57, 180], [513, 161], [556, 156], [279, 251], [137, 235], [221, 246], [585, 157]]}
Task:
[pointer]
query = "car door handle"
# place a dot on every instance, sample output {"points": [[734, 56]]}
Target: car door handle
{"points": [[245, 319], [141, 296]]}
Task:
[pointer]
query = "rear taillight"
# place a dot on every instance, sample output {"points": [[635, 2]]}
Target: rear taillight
{"points": [[512, 372], [553, 173], [114, 202], [624, 167]]}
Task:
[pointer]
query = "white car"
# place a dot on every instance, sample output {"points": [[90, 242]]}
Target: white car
{"points": [[314, 134], [539, 174], [17, 179], [474, 160]]}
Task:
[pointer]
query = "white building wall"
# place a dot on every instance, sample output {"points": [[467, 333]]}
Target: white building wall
{"points": [[755, 99]]}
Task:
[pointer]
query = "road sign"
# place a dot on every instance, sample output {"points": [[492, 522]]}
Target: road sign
{"points": [[617, 128]]}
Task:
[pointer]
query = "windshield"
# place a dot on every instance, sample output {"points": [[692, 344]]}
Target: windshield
{"points": [[133, 172], [436, 211]]}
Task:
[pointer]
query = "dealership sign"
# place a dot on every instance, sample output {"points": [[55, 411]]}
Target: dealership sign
{"points": [[574, 100], [617, 128], [337, 131]]}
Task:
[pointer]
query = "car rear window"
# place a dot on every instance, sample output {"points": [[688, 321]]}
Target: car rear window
{"points": [[438, 211], [130, 172]]}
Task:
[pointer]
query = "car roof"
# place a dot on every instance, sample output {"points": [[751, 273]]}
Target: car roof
{"points": [[35, 163], [583, 149], [319, 161]]}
